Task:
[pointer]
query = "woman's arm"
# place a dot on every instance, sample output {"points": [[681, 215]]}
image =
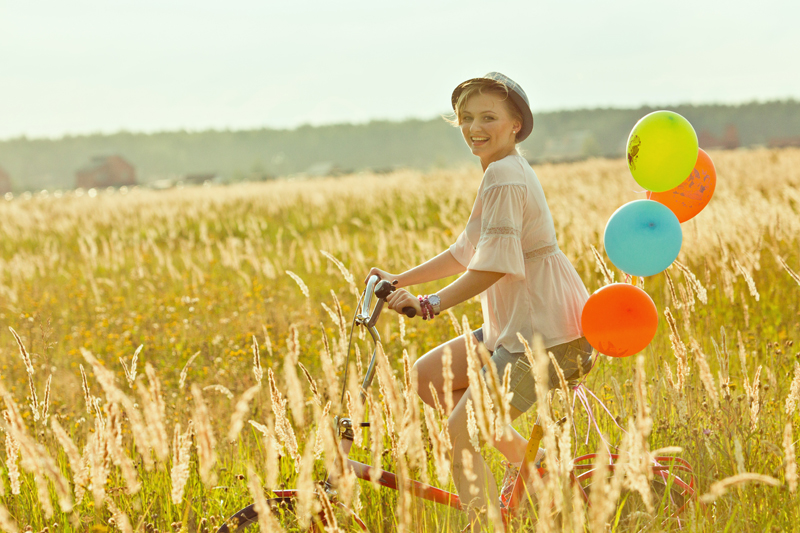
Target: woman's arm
{"points": [[442, 266], [470, 284]]}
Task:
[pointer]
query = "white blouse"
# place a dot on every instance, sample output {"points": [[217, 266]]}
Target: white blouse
{"points": [[510, 230]]}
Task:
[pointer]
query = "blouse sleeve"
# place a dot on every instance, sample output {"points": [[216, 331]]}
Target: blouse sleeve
{"points": [[462, 249], [500, 247]]}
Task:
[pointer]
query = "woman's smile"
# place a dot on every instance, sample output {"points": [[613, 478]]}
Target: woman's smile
{"points": [[479, 141]]}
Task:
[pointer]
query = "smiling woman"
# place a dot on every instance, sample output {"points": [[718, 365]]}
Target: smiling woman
{"points": [[509, 254]]}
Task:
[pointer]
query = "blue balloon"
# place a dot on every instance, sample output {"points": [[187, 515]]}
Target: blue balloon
{"points": [[643, 237]]}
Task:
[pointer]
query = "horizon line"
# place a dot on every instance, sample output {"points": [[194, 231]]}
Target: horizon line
{"points": [[122, 131]]}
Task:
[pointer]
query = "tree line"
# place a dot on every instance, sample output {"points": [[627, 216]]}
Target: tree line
{"points": [[35, 164]]}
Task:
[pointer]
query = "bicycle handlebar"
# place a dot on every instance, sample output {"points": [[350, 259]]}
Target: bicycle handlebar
{"points": [[384, 288]]}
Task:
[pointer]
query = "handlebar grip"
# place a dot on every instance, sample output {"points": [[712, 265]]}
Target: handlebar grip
{"points": [[383, 289], [410, 312]]}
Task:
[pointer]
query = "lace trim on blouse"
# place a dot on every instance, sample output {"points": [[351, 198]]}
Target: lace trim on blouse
{"points": [[541, 253], [502, 230]]}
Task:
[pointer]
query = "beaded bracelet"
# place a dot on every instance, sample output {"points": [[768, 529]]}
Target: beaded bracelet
{"points": [[426, 307]]}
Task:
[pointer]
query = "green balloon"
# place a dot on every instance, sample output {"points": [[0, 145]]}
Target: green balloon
{"points": [[662, 150]]}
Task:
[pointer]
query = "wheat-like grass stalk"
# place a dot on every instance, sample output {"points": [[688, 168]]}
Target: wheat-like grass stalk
{"points": [[300, 283], [71, 451], [348, 277], [376, 430], [793, 397], [676, 303], [154, 411], [12, 461], [121, 520], [751, 284], [272, 449], [723, 357], [679, 348], [225, 391], [181, 455], [258, 372], [26, 358], [294, 392], [447, 380], [34, 399], [130, 374], [185, 370], [35, 459], [113, 433], [319, 445], [789, 457], [307, 502], [7, 522], [283, 429], [46, 400], [719, 488], [706, 378], [608, 276], [267, 341], [355, 411], [402, 330], [204, 435], [702, 293], [240, 411], [87, 395], [312, 384], [752, 390], [738, 455], [98, 463], [440, 445], [454, 323], [794, 275], [266, 521]]}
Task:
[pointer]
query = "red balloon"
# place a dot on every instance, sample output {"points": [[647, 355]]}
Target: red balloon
{"points": [[619, 320], [691, 196]]}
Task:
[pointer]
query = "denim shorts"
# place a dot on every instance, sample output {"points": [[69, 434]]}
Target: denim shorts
{"points": [[574, 358]]}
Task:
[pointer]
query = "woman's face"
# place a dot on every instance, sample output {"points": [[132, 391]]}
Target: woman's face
{"points": [[488, 127]]}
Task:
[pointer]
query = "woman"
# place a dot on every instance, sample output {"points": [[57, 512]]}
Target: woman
{"points": [[511, 258]]}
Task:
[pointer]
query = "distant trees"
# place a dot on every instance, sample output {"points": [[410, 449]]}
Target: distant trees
{"points": [[378, 145]]}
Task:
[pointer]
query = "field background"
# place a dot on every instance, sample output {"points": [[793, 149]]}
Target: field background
{"points": [[204, 271]]}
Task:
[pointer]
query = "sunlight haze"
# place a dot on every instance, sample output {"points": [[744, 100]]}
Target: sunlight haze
{"points": [[88, 66]]}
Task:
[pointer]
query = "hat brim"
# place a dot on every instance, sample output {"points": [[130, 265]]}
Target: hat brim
{"points": [[524, 108]]}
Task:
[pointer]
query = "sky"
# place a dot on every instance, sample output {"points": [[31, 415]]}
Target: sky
{"points": [[87, 66]]}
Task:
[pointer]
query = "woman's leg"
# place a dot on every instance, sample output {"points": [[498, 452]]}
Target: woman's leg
{"points": [[430, 370], [483, 480]]}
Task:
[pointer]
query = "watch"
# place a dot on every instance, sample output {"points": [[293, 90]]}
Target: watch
{"points": [[436, 303]]}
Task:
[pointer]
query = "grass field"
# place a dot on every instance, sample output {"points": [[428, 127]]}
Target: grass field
{"points": [[197, 276]]}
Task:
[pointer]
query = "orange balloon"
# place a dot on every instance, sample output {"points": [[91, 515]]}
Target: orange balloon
{"points": [[619, 320], [691, 196]]}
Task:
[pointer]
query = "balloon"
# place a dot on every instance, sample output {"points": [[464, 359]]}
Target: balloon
{"points": [[662, 150], [691, 196], [619, 320], [643, 237]]}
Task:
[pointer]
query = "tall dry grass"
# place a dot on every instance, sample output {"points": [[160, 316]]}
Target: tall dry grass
{"points": [[211, 290]]}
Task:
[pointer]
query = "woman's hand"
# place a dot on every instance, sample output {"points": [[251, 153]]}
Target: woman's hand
{"points": [[400, 299], [382, 274]]}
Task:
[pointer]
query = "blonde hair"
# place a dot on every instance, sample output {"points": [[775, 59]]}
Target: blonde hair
{"points": [[483, 86]]}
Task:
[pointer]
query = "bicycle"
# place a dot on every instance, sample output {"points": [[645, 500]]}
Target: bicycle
{"points": [[283, 504]]}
